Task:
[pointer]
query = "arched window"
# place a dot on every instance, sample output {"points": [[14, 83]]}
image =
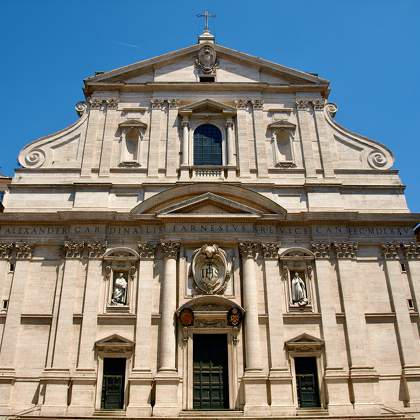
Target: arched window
{"points": [[207, 145]]}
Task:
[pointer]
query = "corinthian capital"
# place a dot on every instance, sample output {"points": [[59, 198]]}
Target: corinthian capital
{"points": [[96, 249], [157, 103], [345, 249], [242, 103], [390, 250], [249, 249], [411, 250], [258, 103], [6, 249], [173, 103], [170, 249], [270, 250], [321, 249], [24, 250], [146, 250], [73, 249]]}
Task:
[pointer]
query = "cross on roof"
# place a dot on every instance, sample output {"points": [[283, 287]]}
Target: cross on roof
{"points": [[206, 15]]}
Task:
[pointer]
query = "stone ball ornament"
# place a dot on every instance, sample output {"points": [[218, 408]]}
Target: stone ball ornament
{"points": [[210, 269]]}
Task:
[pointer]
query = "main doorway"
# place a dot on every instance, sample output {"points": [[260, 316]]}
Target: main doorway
{"points": [[307, 382], [113, 383], [210, 372]]}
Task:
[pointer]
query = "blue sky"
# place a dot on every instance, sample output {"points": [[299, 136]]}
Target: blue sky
{"points": [[368, 49]]}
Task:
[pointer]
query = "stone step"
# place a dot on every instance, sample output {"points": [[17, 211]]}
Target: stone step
{"points": [[211, 413]]}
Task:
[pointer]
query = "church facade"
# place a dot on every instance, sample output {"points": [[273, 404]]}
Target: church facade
{"points": [[207, 240]]}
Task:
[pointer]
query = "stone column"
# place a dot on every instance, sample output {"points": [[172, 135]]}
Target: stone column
{"points": [[336, 363], [259, 137], [56, 375], [363, 377], [9, 342], [254, 380], [324, 138], [140, 380], [411, 369], [111, 122], [280, 378], [155, 135], [243, 136], [307, 135], [230, 140], [84, 379], [167, 380], [172, 147]]}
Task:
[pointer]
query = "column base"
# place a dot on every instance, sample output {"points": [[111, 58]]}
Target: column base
{"points": [[363, 380], [337, 384], [281, 387], [166, 395], [140, 389], [255, 387]]}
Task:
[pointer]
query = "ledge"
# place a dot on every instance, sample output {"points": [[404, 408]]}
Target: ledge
{"points": [[380, 317], [39, 319], [302, 317]]}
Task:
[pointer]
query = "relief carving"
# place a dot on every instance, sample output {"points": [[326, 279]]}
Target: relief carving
{"points": [[321, 249], [249, 249], [346, 249], [146, 250], [209, 269], [270, 250], [170, 249], [206, 61]]}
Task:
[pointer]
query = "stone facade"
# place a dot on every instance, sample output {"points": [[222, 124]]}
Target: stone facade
{"points": [[116, 245]]}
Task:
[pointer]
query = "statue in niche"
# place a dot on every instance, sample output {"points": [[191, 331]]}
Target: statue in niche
{"points": [[299, 295], [119, 292]]}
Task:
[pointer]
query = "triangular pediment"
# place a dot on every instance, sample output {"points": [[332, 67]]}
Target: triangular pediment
{"points": [[113, 339], [304, 338], [209, 203], [206, 106], [179, 66], [208, 200]]}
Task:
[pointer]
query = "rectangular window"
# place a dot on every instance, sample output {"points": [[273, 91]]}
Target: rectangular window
{"points": [[307, 382], [113, 384]]}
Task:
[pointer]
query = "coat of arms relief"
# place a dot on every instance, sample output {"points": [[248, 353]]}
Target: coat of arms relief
{"points": [[210, 269]]}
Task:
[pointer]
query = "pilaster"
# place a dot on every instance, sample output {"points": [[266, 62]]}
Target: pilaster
{"points": [[155, 136], [111, 122], [140, 380], [243, 136], [336, 371], [259, 137], [363, 377], [411, 374], [172, 147], [324, 138], [307, 135], [56, 375], [280, 378]]}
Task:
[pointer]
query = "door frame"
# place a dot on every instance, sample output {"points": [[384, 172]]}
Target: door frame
{"points": [[231, 340]]}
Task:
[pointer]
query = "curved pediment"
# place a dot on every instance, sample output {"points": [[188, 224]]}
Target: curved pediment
{"points": [[208, 200]]}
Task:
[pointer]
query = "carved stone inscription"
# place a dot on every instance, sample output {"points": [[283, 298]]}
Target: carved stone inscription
{"points": [[108, 232]]}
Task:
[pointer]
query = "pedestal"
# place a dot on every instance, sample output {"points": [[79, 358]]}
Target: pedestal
{"points": [[83, 395], [255, 386], [166, 399], [140, 388], [337, 384], [56, 383], [364, 381], [281, 387]]}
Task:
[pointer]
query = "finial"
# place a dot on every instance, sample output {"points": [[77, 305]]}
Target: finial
{"points": [[206, 36]]}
